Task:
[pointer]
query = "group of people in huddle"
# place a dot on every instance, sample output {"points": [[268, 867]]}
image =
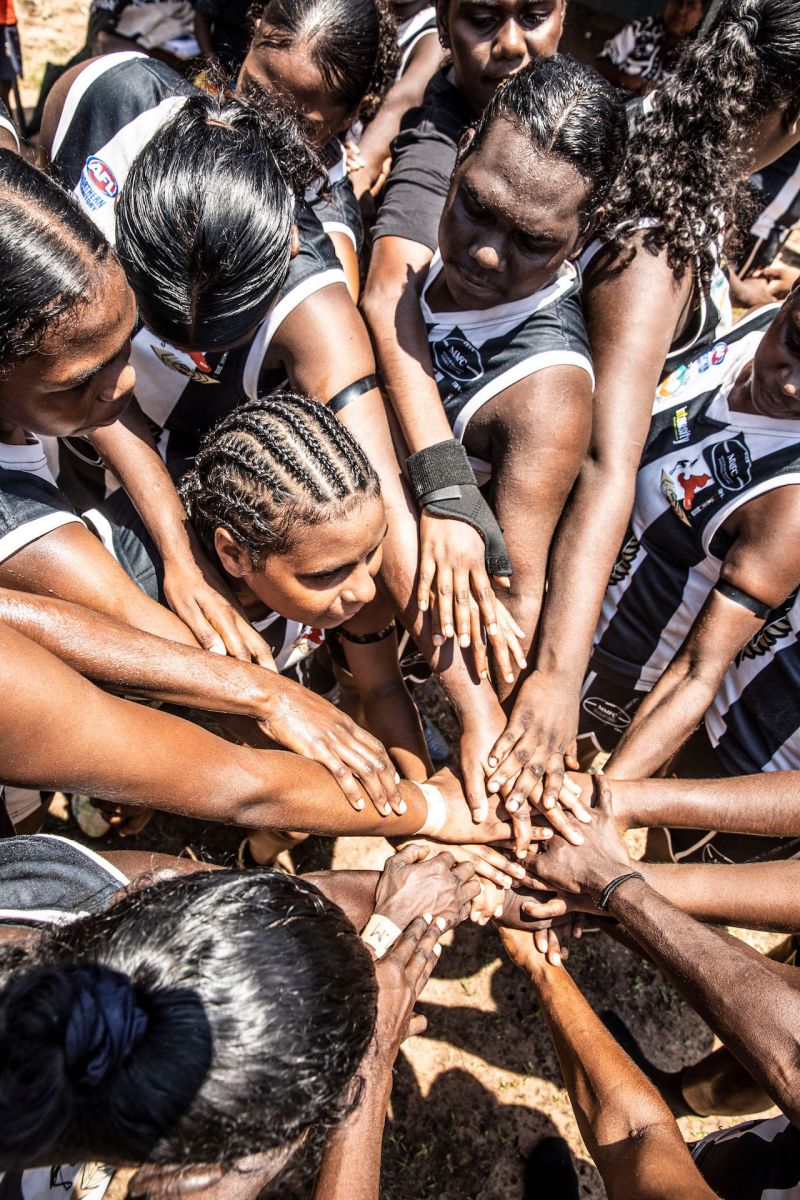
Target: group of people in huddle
{"points": [[409, 351]]}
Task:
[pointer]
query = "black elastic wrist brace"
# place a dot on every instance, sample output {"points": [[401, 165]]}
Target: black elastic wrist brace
{"points": [[444, 483]]}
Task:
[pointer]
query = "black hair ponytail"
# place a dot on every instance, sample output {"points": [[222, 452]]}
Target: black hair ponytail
{"points": [[353, 43], [50, 253], [204, 219], [235, 1006], [688, 154]]}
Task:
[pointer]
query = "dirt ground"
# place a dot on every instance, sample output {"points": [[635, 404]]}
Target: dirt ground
{"points": [[475, 1094]]}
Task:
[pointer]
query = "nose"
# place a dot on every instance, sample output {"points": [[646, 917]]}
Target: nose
{"points": [[790, 382], [489, 254], [362, 585], [117, 383], [509, 43]]}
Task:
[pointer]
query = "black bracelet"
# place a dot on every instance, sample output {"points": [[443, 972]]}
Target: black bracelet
{"points": [[367, 639], [350, 393], [610, 888]]}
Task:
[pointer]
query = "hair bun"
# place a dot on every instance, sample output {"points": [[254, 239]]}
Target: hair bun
{"points": [[104, 1025]]}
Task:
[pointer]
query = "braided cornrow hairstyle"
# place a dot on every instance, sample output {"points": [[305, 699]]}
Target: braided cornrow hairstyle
{"points": [[686, 160], [353, 44], [270, 466]]}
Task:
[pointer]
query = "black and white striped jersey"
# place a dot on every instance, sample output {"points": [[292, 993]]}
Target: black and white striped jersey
{"points": [[477, 355], [779, 183], [411, 32], [701, 462], [112, 109]]}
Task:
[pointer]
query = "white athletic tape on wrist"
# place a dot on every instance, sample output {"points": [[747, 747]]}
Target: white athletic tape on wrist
{"points": [[437, 809], [380, 933]]}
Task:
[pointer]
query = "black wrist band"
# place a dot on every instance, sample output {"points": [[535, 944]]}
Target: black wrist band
{"points": [[757, 607], [610, 888], [350, 393], [367, 639]]}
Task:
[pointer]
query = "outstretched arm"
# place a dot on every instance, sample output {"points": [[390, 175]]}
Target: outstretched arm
{"points": [[88, 741], [631, 1134], [194, 588]]}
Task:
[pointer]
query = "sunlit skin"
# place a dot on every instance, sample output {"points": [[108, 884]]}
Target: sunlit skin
{"points": [[769, 386], [288, 72], [681, 17], [511, 219], [769, 138], [80, 378], [325, 576], [489, 40]]}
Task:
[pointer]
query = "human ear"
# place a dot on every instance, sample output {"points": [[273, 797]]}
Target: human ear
{"points": [[295, 250], [233, 556], [587, 232], [442, 15]]}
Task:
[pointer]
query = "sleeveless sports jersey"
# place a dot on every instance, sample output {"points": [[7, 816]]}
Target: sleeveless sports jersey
{"points": [[112, 110], [411, 32], [780, 183], [477, 355], [30, 503], [335, 206], [701, 463]]}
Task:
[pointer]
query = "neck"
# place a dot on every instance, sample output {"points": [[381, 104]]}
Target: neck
{"points": [[12, 435], [740, 398]]}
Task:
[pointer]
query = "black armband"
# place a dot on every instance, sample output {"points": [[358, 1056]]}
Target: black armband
{"points": [[757, 607], [350, 393], [443, 482]]}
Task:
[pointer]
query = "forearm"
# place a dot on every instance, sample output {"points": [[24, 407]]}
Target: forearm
{"points": [[622, 1118], [127, 447], [754, 1013], [393, 315], [393, 718], [351, 1167], [202, 31], [118, 656], [584, 551], [662, 723], [766, 804], [353, 891], [747, 895]]}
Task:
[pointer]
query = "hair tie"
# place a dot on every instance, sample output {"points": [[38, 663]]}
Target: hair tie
{"points": [[104, 1024]]}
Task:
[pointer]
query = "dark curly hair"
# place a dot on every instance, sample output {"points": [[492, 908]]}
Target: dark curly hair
{"points": [[566, 109], [255, 1001], [688, 154], [353, 44], [270, 466], [204, 218], [50, 253]]}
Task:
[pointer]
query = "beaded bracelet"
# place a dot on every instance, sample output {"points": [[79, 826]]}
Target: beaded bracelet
{"points": [[366, 639]]}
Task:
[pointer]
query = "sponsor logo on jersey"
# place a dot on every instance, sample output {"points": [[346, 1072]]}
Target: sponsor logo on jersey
{"points": [[680, 426], [731, 463], [687, 372], [456, 357], [198, 374], [670, 383], [98, 183], [606, 712]]}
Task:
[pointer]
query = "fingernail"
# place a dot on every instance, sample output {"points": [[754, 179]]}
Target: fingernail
{"points": [[585, 817], [427, 918], [549, 802], [494, 787], [507, 881], [402, 807], [512, 805], [473, 916], [510, 677], [438, 640], [522, 854], [517, 869], [423, 606], [387, 808], [437, 949], [481, 814], [547, 833], [463, 641], [498, 912], [578, 839], [449, 631], [493, 762], [556, 959], [396, 777], [440, 921], [359, 804]]}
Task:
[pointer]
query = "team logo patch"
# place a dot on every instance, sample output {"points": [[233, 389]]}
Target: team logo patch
{"points": [[606, 712], [98, 183], [198, 374], [731, 463], [456, 357]]}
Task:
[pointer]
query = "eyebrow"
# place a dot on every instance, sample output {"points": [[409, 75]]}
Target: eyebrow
{"points": [[343, 566], [77, 380], [537, 235]]}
